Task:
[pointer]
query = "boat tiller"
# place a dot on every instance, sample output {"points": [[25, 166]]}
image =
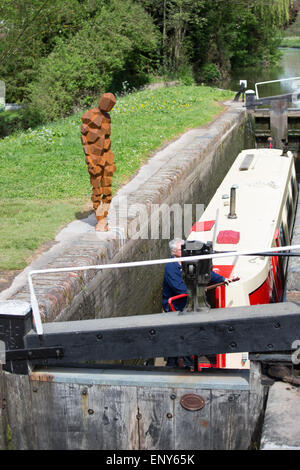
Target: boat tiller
{"points": [[196, 274]]}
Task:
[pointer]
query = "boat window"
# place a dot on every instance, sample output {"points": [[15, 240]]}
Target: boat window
{"points": [[289, 212], [273, 299], [282, 236], [283, 242], [277, 276], [245, 165], [294, 187]]}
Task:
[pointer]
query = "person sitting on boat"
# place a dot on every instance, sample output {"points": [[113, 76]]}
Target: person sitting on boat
{"points": [[173, 283]]}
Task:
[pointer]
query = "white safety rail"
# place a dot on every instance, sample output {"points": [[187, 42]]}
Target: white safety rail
{"points": [[294, 86], [134, 264]]}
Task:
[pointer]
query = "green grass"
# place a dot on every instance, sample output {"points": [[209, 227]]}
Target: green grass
{"points": [[44, 180], [292, 34], [26, 224], [291, 41]]}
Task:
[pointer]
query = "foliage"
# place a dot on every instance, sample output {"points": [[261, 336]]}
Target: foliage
{"points": [[13, 121], [175, 18], [227, 34], [186, 76], [67, 51], [28, 32], [210, 73], [9, 122], [115, 44], [238, 34]]}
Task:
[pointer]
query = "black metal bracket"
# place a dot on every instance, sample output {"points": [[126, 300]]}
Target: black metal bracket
{"points": [[34, 353], [269, 358]]}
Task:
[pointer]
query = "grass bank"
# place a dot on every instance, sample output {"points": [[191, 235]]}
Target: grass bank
{"points": [[44, 182], [291, 41]]}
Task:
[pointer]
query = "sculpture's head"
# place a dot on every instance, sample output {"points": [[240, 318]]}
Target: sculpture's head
{"points": [[107, 102]]}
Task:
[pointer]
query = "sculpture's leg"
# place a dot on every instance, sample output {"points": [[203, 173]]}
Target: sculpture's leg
{"points": [[96, 181], [103, 207], [106, 192], [101, 214]]}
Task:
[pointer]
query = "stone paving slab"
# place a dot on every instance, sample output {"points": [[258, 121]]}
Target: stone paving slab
{"points": [[282, 417]]}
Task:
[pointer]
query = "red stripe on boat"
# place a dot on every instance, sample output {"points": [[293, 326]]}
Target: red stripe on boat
{"points": [[204, 226], [223, 269], [262, 294], [228, 237]]}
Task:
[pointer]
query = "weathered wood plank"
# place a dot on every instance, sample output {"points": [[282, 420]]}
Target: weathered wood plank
{"points": [[20, 411], [279, 121], [63, 415], [245, 165], [193, 428], [84, 417], [156, 418], [229, 415], [43, 415], [61, 420], [113, 424], [3, 419], [57, 415]]}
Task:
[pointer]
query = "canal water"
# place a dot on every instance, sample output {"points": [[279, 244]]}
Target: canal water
{"points": [[287, 67]]}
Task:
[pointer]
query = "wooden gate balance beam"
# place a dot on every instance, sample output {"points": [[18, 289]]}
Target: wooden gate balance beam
{"points": [[259, 328]]}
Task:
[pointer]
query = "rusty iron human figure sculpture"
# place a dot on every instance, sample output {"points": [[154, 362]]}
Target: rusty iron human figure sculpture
{"points": [[95, 138]]}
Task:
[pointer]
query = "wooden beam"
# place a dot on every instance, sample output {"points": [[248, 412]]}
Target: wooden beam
{"points": [[279, 122], [259, 328]]}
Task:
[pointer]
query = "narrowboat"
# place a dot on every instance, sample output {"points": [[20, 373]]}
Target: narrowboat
{"points": [[255, 206]]}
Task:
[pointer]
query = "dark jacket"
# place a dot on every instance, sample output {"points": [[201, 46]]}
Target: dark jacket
{"points": [[173, 285], [215, 278]]}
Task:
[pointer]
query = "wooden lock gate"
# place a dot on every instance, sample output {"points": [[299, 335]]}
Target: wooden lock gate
{"points": [[56, 395]]}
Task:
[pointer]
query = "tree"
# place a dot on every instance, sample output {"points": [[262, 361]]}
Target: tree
{"points": [[175, 18], [114, 45], [29, 31], [225, 34]]}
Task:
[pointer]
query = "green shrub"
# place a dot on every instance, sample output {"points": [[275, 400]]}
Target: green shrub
{"points": [[13, 121], [186, 76], [9, 122], [115, 45], [210, 73]]}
